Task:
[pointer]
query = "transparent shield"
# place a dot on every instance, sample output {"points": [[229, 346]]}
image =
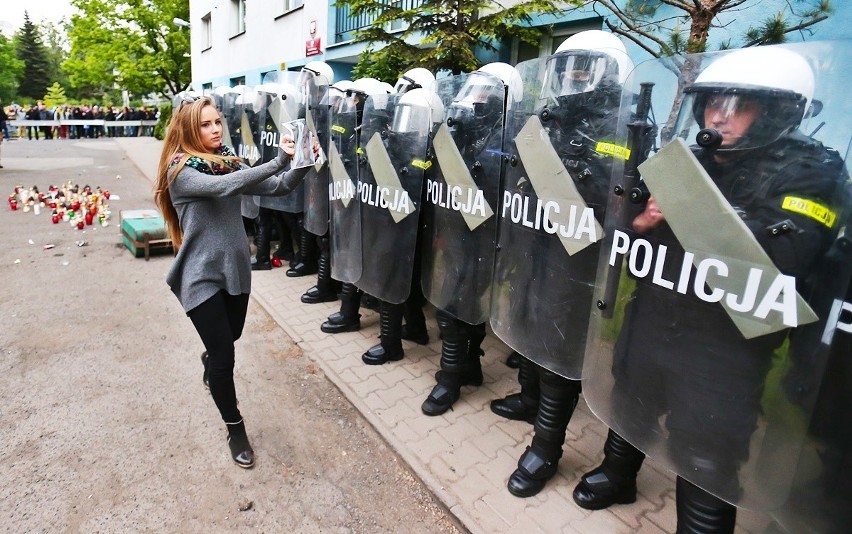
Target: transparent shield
{"points": [[391, 181], [316, 182], [462, 197], [280, 102], [344, 206], [712, 288], [550, 217]]}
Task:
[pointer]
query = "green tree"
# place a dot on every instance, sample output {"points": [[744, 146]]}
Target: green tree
{"points": [[31, 51], [56, 45], [55, 96], [131, 43], [669, 27], [12, 69], [442, 34]]}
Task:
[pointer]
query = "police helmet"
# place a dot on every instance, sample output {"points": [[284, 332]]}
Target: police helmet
{"points": [[773, 85], [585, 62], [415, 78]]}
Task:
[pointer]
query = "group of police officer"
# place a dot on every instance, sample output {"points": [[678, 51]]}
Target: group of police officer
{"points": [[693, 273]]}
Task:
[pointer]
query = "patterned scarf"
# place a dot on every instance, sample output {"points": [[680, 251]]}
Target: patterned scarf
{"points": [[210, 167]]}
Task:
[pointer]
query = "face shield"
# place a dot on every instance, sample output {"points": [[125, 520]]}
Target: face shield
{"points": [[411, 119], [738, 118], [574, 72]]}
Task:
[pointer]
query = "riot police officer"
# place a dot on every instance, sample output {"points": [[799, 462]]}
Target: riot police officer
{"points": [[545, 280], [347, 110], [460, 224], [755, 198], [316, 76], [391, 203]]}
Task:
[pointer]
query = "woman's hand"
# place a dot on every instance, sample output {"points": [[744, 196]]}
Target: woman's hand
{"points": [[316, 147], [288, 145], [650, 218]]}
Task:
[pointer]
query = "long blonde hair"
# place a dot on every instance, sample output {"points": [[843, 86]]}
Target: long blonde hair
{"points": [[182, 141]]}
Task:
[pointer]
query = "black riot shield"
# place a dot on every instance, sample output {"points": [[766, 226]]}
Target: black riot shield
{"points": [[391, 181], [344, 206], [462, 197], [554, 192], [280, 102], [708, 282], [316, 181]]}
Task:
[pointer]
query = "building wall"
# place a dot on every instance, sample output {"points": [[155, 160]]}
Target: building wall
{"points": [[274, 37]]}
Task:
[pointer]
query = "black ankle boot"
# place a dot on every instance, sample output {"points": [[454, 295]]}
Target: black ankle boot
{"points": [[378, 355], [241, 451], [536, 466], [513, 407], [337, 323]]}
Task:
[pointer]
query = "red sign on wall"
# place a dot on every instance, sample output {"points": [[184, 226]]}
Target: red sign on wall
{"points": [[313, 47]]}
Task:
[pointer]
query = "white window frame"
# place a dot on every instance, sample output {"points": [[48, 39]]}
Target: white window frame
{"points": [[238, 9], [206, 32]]}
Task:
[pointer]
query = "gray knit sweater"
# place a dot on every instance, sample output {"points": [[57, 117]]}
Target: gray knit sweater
{"points": [[215, 253]]}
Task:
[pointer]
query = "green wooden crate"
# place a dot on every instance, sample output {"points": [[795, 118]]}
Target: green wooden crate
{"points": [[144, 233]]}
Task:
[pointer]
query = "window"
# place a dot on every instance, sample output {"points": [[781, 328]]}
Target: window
{"points": [[290, 5], [206, 88], [239, 80], [238, 10], [397, 24], [206, 33]]}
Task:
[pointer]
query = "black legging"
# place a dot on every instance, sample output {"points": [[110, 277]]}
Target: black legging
{"points": [[219, 321]]}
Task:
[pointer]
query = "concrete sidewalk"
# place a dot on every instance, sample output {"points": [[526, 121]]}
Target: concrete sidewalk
{"points": [[465, 456]]}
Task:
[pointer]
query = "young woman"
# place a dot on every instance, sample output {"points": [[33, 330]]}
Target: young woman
{"points": [[198, 188]]}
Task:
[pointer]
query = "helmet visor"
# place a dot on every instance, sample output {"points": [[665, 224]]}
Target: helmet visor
{"points": [[409, 118], [573, 72]]}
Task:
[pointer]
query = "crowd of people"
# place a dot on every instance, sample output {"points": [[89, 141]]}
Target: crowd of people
{"points": [[511, 197], [84, 112]]}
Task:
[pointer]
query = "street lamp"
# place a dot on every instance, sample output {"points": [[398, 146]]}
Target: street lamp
{"points": [[180, 22]]}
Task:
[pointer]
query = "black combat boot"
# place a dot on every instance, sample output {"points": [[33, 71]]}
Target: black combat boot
{"points": [[325, 290], [454, 353], [306, 259], [347, 319], [614, 481], [540, 461], [521, 406], [699, 512], [262, 238], [390, 348]]}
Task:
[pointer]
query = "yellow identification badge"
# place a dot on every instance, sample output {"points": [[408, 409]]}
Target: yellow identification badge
{"points": [[613, 150], [338, 129], [359, 151], [811, 209], [421, 164]]}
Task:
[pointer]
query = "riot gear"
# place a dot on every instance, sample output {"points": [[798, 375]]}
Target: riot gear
{"points": [[545, 270], [460, 224], [678, 370], [416, 78]]}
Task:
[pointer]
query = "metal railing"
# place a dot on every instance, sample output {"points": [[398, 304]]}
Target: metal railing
{"points": [[346, 25]]}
